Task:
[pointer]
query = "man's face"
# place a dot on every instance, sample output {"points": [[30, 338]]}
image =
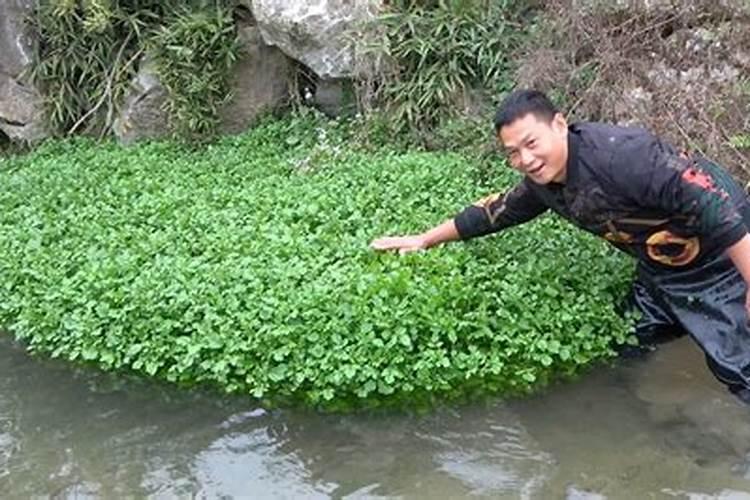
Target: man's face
{"points": [[537, 148]]}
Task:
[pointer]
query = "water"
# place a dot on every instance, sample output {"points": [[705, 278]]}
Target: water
{"points": [[653, 428]]}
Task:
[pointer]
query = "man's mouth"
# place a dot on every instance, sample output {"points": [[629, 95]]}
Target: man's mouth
{"points": [[535, 170]]}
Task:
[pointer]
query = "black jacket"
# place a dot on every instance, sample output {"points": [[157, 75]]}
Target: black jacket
{"points": [[637, 192]]}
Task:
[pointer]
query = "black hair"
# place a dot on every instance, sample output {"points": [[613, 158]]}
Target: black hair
{"points": [[520, 103]]}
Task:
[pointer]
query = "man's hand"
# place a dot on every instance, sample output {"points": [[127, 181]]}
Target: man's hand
{"points": [[404, 244], [415, 242]]}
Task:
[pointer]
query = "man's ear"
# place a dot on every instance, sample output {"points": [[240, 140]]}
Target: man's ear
{"points": [[559, 123]]}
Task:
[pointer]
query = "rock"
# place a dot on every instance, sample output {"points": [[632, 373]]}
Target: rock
{"points": [[15, 55], [741, 58], [335, 97], [702, 40], [656, 7], [143, 114], [261, 81], [316, 33], [662, 75], [648, 6], [21, 113], [725, 73], [634, 104]]}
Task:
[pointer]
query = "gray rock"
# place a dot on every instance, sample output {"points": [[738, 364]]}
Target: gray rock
{"points": [[655, 7], [741, 58], [702, 40], [15, 55], [662, 75], [317, 33], [143, 114], [635, 104], [648, 6], [725, 73], [261, 82], [21, 113], [335, 97]]}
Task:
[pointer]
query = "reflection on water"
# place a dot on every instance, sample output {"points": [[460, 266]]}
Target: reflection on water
{"points": [[653, 428]]}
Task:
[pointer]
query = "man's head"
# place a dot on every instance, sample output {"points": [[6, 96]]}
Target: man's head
{"points": [[534, 135]]}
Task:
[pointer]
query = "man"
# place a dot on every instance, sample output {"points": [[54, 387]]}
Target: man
{"points": [[684, 219]]}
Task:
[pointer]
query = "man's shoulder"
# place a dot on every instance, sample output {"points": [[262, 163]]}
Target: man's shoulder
{"points": [[624, 158], [605, 137], [612, 155]]}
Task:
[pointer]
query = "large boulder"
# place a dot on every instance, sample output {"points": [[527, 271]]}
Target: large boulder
{"points": [[21, 113], [261, 81], [317, 33]]}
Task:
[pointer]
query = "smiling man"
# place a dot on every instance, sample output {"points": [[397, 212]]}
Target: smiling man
{"points": [[684, 219]]}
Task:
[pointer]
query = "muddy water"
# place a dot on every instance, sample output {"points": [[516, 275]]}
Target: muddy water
{"points": [[653, 428]]}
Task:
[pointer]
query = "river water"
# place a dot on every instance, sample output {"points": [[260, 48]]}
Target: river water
{"points": [[658, 427]]}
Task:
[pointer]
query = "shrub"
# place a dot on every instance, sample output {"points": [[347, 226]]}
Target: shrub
{"points": [[89, 52], [247, 266], [195, 54], [740, 141], [441, 59], [75, 68]]}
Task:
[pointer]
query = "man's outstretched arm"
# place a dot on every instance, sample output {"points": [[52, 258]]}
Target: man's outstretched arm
{"points": [[411, 243], [489, 215]]}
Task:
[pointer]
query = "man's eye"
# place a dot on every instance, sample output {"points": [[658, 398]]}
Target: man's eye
{"points": [[531, 143]]}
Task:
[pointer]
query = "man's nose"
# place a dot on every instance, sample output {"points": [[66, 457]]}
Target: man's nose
{"points": [[527, 159]]}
